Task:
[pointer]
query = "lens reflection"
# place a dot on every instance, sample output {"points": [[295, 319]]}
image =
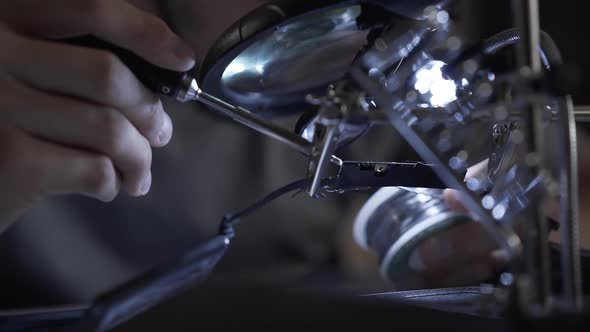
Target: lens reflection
{"points": [[309, 53]]}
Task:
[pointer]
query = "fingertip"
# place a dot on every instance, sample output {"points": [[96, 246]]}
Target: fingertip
{"points": [[170, 50], [477, 169], [108, 193], [447, 195], [184, 54], [149, 37], [178, 51], [174, 54], [165, 134], [104, 198], [146, 185]]}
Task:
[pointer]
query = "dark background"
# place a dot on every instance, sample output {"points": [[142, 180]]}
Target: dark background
{"points": [[565, 20]]}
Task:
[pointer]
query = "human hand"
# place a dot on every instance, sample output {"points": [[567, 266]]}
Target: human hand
{"points": [[445, 256], [77, 120], [462, 255], [421, 243], [467, 254]]}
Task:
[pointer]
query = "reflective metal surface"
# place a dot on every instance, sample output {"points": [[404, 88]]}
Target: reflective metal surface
{"points": [[308, 53]]}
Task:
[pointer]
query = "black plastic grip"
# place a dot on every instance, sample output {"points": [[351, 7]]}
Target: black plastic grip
{"points": [[159, 80]]}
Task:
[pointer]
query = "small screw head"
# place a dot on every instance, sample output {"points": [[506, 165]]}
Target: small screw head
{"points": [[381, 169]]}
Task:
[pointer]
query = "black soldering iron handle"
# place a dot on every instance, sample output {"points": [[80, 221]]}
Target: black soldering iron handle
{"points": [[161, 81]]}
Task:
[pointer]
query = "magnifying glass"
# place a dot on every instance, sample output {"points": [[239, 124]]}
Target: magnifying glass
{"points": [[270, 60]]}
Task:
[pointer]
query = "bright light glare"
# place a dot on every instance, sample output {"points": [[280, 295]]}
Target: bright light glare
{"points": [[429, 80], [309, 132], [238, 66], [234, 68]]}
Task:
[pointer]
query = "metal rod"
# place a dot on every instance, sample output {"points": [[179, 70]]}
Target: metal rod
{"points": [[535, 283], [572, 296], [581, 115], [257, 123], [322, 159]]}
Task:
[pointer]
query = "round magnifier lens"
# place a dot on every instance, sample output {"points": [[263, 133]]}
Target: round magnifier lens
{"points": [[294, 59]]}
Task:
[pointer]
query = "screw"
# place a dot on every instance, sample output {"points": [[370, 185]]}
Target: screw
{"points": [[380, 169]]}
